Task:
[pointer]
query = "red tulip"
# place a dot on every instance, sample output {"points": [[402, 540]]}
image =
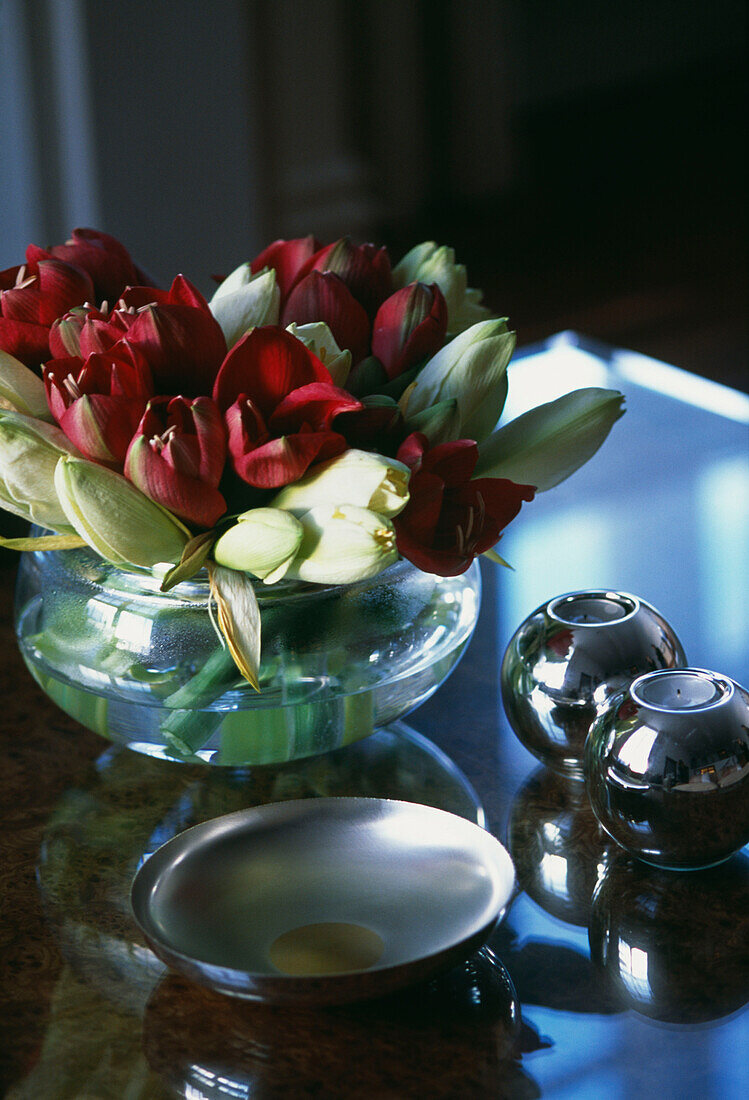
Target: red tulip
{"points": [[98, 402], [364, 268], [449, 518], [175, 330], [102, 257], [410, 326], [71, 333], [279, 404], [177, 457], [31, 298], [287, 258], [325, 297]]}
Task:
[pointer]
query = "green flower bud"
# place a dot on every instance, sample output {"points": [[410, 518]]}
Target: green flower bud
{"points": [[244, 300], [354, 477], [431, 263], [547, 444], [343, 543], [263, 542], [472, 369], [21, 390], [321, 342], [115, 518], [29, 452]]}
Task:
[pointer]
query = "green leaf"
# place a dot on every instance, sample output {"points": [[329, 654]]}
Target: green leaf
{"points": [[547, 444], [439, 423], [192, 561]]}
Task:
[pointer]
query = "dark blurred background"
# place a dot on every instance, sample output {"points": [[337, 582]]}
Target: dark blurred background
{"points": [[582, 157]]}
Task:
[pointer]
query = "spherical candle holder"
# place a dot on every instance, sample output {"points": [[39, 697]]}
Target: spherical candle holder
{"points": [[568, 657], [667, 768]]}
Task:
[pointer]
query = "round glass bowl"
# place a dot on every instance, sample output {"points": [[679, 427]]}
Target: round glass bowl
{"points": [[147, 670]]}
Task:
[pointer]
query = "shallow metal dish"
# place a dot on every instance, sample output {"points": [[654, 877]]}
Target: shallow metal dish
{"points": [[322, 900]]}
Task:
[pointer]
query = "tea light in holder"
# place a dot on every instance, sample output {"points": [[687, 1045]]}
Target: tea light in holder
{"points": [[568, 657], [667, 768]]}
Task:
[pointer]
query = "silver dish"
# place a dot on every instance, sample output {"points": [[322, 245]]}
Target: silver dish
{"points": [[322, 900]]}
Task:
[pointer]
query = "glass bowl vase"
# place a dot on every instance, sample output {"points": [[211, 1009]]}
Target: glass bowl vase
{"points": [[148, 670]]}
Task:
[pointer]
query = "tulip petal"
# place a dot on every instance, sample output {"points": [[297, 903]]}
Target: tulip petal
{"points": [[102, 256], [263, 541], [325, 297], [266, 364], [314, 405], [190, 498], [256, 302], [547, 444], [21, 389], [27, 342], [101, 427], [281, 461], [29, 452], [319, 339], [454, 462], [287, 258], [342, 544], [239, 618], [365, 269], [184, 347], [116, 519], [354, 477], [472, 368], [410, 326]]}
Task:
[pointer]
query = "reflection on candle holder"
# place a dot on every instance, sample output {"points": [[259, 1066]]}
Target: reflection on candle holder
{"points": [[667, 768], [558, 847], [568, 657], [456, 1036], [674, 947]]}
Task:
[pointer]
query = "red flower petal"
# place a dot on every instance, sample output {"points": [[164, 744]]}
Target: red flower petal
{"points": [[101, 427], [365, 269], [314, 405], [183, 345], [267, 363], [502, 499], [325, 297], [100, 255], [454, 462], [27, 342], [164, 476], [281, 461], [410, 325], [287, 258]]}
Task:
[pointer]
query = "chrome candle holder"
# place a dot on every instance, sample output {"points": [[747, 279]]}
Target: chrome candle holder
{"points": [[568, 657], [667, 768]]}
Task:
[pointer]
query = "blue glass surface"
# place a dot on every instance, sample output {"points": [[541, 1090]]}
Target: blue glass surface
{"points": [[661, 511]]}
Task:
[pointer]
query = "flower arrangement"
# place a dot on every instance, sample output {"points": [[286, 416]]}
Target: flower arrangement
{"points": [[324, 414]]}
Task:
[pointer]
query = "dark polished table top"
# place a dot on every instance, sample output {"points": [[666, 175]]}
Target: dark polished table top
{"points": [[88, 1011]]}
